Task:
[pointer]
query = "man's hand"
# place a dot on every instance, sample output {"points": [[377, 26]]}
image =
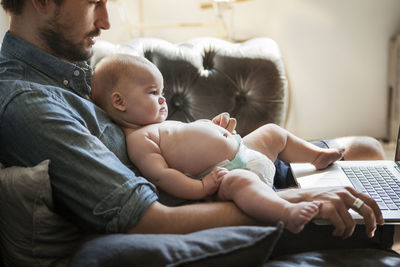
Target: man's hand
{"points": [[336, 203], [225, 121], [212, 180]]}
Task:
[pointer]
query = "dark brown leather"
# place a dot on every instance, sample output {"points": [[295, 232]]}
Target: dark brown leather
{"points": [[206, 76]]}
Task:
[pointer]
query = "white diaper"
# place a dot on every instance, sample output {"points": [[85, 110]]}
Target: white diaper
{"points": [[248, 159], [259, 164]]}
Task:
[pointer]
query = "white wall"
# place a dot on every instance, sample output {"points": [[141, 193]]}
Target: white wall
{"points": [[3, 23], [335, 51], [336, 54]]}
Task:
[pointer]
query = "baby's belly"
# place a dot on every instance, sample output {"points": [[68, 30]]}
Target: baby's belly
{"points": [[197, 147]]}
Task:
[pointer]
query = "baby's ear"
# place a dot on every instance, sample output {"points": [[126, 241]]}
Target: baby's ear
{"points": [[118, 101]]}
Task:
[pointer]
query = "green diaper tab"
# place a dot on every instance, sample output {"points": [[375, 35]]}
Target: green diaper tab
{"points": [[237, 163]]}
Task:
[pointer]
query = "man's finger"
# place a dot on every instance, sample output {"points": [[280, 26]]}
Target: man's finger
{"points": [[369, 219], [337, 222], [347, 220], [370, 203], [368, 213], [346, 225]]}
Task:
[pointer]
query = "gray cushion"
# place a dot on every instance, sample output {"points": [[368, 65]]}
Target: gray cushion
{"points": [[31, 233], [225, 246]]}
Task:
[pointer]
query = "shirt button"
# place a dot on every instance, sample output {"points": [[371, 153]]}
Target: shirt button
{"points": [[76, 73], [65, 82]]}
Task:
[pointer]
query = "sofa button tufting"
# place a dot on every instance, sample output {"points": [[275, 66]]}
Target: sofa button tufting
{"points": [[208, 59], [240, 98], [177, 101]]}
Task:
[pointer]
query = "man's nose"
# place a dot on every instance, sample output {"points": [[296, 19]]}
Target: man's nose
{"points": [[102, 21]]}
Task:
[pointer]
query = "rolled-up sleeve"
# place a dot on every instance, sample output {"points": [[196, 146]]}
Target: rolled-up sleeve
{"points": [[134, 201], [87, 171]]}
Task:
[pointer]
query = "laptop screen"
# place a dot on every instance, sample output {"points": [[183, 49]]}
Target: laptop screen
{"points": [[397, 154]]}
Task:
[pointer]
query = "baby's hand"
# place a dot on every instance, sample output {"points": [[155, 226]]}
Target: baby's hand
{"points": [[212, 180], [225, 121]]}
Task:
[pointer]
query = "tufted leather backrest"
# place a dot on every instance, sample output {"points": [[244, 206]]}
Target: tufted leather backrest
{"points": [[206, 76]]}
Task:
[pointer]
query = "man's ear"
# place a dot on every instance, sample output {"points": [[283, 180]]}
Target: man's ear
{"points": [[118, 101], [42, 6]]}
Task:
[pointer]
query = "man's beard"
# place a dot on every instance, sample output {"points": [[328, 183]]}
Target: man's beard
{"points": [[62, 47]]}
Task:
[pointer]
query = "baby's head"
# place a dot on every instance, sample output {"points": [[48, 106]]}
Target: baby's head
{"points": [[130, 90]]}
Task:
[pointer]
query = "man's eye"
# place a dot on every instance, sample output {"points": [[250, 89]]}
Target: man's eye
{"points": [[96, 2]]}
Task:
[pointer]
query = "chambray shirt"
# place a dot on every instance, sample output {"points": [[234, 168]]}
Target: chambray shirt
{"points": [[46, 113]]}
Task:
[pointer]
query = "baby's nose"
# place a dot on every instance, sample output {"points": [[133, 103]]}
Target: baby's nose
{"points": [[161, 100]]}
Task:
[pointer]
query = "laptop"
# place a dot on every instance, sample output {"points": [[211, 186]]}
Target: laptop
{"points": [[380, 179]]}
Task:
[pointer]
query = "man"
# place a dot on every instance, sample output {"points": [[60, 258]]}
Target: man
{"points": [[46, 113]]}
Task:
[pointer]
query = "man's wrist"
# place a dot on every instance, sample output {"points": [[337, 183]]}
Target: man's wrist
{"points": [[292, 195]]}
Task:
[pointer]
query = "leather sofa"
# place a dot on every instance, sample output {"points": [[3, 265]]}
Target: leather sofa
{"points": [[206, 76]]}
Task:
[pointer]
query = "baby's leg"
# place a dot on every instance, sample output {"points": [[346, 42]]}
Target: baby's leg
{"points": [[258, 200], [274, 141]]}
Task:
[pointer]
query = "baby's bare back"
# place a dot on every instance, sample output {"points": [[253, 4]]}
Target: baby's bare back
{"points": [[194, 147]]}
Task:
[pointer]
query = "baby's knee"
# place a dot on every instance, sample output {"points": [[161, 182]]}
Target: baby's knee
{"points": [[235, 180], [277, 136], [274, 129], [363, 148], [239, 177]]}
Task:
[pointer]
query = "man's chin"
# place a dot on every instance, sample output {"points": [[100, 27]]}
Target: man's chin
{"points": [[80, 57], [82, 54], [88, 53]]}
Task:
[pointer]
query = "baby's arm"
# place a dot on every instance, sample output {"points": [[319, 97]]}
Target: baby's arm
{"points": [[212, 180], [146, 155]]}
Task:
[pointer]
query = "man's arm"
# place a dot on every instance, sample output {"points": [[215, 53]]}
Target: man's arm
{"points": [[190, 218], [87, 177]]}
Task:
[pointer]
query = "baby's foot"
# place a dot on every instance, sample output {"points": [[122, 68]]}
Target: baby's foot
{"points": [[327, 156], [299, 214]]}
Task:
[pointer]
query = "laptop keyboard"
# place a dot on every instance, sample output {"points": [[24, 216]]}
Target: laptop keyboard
{"points": [[378, 182]]}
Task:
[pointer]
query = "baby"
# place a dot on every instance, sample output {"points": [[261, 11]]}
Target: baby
{"points": [[199, 159]]}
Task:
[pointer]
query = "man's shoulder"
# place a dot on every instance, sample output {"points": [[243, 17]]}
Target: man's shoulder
{"points": [[13, 85], [16, 92], [13, 75]]}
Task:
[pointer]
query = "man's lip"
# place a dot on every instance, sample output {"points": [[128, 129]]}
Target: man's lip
{"points": [[92, 36], [92, 40]]}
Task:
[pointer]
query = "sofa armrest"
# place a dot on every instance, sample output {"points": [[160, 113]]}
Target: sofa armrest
{"points": [[206, 76]]}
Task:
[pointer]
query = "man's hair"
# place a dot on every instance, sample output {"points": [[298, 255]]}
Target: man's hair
{"points": [[15, 6]]}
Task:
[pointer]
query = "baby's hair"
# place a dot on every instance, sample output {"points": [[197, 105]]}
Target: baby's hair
{"points": [[109, 71]]}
